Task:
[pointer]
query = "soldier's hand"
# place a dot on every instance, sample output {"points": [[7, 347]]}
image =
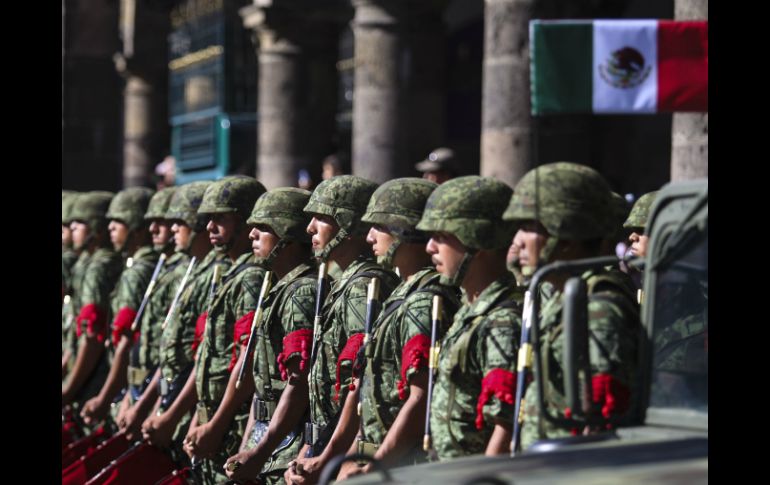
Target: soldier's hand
{"points": [[307, 473], [205, 440], [94, 410], [131, 424], [251, 464], [158, 431]]}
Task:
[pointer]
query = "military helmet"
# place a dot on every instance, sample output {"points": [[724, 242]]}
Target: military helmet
{"points": [[234, 193], [571, 201], [471, 209], [91, 207], [68, 198], [640, 211], [185, 202], [282, 210], [129, 206], [343, 198], [399, 202], [159, 203]]}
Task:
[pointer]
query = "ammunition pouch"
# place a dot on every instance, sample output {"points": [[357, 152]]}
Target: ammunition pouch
{"points": [[138, 380]]}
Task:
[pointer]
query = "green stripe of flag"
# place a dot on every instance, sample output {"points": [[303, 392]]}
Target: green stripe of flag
{"points": [[561, 67]]}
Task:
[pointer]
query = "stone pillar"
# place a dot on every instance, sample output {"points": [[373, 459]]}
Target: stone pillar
{"points": [[426, 118], [379, 135], [690, 131], [505, 126], [144, 66]]}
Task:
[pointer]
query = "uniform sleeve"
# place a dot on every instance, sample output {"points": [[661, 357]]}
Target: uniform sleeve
{"points": [[613, 353], [350, 331], [243, 303], [129, 293], [414, 335], [97, 284], [296, 319], [497, 347]]}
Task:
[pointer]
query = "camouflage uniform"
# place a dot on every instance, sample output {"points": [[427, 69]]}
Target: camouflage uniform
{"points": [[573, 202], [289, 308], [400, 341], [99, 278], [237, 295], [341, 329], [73, 266], [476, 369]]}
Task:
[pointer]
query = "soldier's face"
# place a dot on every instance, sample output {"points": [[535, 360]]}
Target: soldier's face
{"points": [[160, 231], [182, 234], [118, 234], [323, 229], [446, 252], [263, 240], [66, 236], [222, 228], [638, 244], [380, 239], [530, 239], [80, 232]]}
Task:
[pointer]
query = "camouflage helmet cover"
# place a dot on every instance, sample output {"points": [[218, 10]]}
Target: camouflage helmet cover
{"points": [[570, 200], [641, 211], [343, 198], [185, 202], [282, 210], [234, 193], [399, 203], [91, 207], [159, 203], [68, 198], [129, 206], [471, 209]]}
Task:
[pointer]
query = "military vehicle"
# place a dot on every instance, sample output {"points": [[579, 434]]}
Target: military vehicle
{"points": [[667, 440]]}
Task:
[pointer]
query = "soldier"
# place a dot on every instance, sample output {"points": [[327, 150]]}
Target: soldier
{"points": [[89, 234], [130, 237], [394, 386], [143, 358], [178, 343], [563, 211], [217, 427], [68, 254], [636, 222], [472, 402], [440, 165], [274, 433], [338, 238]]}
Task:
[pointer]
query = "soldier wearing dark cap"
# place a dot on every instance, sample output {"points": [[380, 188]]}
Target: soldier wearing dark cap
{"points": [[440, 165]]}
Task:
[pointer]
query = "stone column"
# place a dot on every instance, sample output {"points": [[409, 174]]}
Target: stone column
{"points": [[505, 126], [379, 135], [690, 131], [426, 118], [144, 66]]}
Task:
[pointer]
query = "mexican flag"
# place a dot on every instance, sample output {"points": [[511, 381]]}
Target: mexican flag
{"points": [[618, 66]]}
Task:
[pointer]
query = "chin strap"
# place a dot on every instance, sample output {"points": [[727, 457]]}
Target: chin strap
{"points": [[457, 278]]}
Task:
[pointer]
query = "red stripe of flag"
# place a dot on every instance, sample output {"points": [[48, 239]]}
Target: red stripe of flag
{"points": [[683, 79]]}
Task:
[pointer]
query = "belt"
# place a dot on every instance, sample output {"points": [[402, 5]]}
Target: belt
{"points": [[137, 375], [366, 448], [204, 413], [312, 432]]}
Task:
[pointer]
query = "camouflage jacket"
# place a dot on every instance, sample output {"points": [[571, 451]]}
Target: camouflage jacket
{"points": [[145, 352], [343, 315], [475, 382], [68, 259], [289, 308], [176, 349], [400, 347], [615, 330], [237, 295], [70, 308]]}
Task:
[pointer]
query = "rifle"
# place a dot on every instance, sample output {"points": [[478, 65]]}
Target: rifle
{"points": [[524, 366], [319, 303], [258, 313], [148, 291], [372, 299], [427, 444], [175, 301]]}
